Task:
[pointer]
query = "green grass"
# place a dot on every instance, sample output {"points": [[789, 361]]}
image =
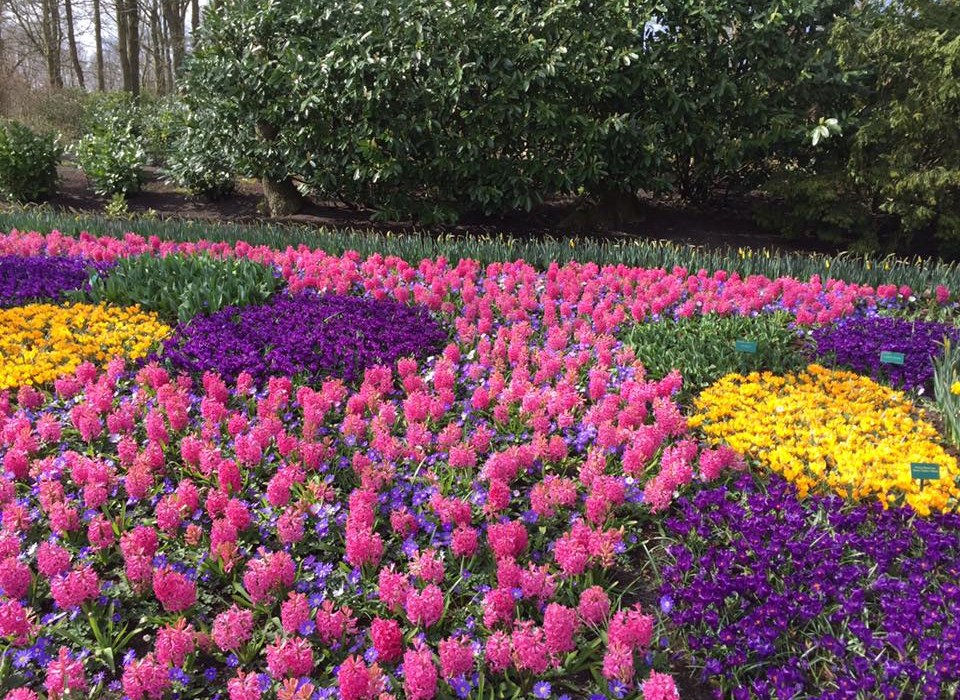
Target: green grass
{"points": [[918, 273]]}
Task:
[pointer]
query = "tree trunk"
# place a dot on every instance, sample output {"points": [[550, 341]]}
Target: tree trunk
{"points": [[72, 42], [194, 16], [128, 43], [156, 50], [282, 196], [52, 36], [173, 15], [133, 45], [98, 41]]}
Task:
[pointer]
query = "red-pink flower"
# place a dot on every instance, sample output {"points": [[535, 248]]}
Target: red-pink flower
{"points": [[659, 686], [424, 607], [290, 657], [146, 678], [64, 674], [175, 591], [232, 628], [559, 627], [456, 658], [387, 639], [419, 674]]}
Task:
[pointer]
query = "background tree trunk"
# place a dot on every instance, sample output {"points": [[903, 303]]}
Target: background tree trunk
{"points": [[173, 15], [194, 16], [52, 37], [98, 42], [156, 50], [282, 196], [72, 42]]}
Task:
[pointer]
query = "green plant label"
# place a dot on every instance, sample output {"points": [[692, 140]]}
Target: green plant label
{"points": [[749, 346], [891, 358], [924, 470]]}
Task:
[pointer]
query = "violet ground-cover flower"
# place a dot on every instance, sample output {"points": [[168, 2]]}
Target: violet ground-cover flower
{"points": [[41, 278], [305, 335]]}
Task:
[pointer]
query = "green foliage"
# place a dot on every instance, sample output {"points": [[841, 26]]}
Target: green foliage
{"points": [[117, 208], [199, 159], [704, 348], [918, 273], [161, 119], [734, 81], [178, 287], [111, 154], [429, 107], [28, 163], [888, 175], [946, 375]]}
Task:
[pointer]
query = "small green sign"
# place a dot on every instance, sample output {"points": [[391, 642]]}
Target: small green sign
{"points": [[746, 346], [924, 470], [891, 358]]}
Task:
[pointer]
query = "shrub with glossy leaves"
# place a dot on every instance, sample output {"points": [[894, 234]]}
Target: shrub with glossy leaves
{"points": [[28, 163], [112, 154]]}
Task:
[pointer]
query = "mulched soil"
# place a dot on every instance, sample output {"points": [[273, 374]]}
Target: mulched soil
{"points": [[664, 221]]}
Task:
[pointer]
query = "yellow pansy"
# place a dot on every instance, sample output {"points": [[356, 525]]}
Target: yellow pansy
{"points": [[41, 342], [831, 430]]}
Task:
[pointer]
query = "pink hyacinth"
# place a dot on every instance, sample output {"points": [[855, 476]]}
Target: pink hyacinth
{"points": [[232, 628], [290, 657], [559, 627], [244, 686], [64, 674], [424, 608], [419, 674], [175, 591], [594, 605], [294, 611], [146, 678], [387, 639], [21, 694], [174, 643], [498, 652], [354, 680], [659, 686], [75, 588], [456, 658]]}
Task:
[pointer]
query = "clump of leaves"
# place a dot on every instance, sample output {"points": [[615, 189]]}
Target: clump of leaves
{"points": [[178, 287], [705, 348], [28, 163]]}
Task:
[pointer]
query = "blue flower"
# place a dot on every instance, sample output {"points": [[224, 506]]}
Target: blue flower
{"points": [[541, 690]]}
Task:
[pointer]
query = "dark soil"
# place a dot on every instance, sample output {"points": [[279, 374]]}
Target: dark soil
{"points": [[654, 220]]}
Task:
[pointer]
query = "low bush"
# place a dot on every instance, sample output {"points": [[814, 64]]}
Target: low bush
{"points": [[178, 287], [112, 154], [705, 347], [199, 161], [28, 163]]}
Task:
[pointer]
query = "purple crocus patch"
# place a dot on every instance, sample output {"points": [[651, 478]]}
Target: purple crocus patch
{"points": [[781, 598], [43, 278], [307, 335], [858, 344]]}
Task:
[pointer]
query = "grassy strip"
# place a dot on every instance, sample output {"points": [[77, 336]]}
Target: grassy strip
{"points": [[918, 273]]}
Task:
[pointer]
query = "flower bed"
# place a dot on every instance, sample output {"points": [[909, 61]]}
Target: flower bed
{"points": [[42, 278], [859, 344], [830, 430], [391, 481], [306, 336], [783, 598], [41, 342]]}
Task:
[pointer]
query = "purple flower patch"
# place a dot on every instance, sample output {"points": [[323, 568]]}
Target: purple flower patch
{"points": [[779, 597], [42, 278], [858, 344], [306, 335]]}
